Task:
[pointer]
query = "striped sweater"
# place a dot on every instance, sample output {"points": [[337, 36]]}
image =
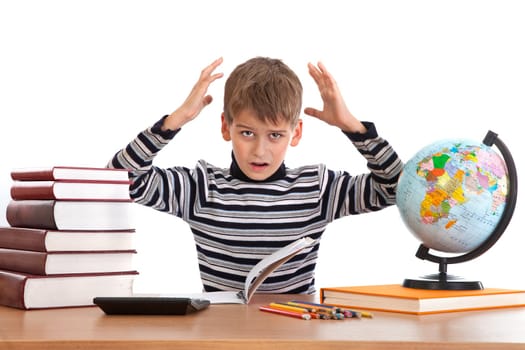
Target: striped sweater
{"points": [[236, 222]]}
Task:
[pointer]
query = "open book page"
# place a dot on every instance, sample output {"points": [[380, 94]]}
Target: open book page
{"points": [[255, 277], [222, 297], [270, 263]]}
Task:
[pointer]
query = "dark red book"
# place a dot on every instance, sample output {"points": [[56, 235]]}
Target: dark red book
{"points": [[69, 173], [71, 190], [70, 215], [55, 263], [26, 291], [43, 240]]}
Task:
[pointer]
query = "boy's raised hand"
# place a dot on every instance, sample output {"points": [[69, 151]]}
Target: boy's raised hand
{"points": [[196, 100], [334, 110]]}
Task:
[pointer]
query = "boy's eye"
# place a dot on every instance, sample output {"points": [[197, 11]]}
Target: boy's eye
{"points": [[275, 135], [247, 133]]}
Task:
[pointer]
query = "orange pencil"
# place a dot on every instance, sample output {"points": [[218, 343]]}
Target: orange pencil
{"points": [[299, 309], [295, 314]]}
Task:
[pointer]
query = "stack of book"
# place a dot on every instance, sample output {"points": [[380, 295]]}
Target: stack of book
{"points": [[70, 238]]}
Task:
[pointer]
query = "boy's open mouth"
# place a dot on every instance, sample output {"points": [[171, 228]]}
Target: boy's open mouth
{"points": [[258, 165]]}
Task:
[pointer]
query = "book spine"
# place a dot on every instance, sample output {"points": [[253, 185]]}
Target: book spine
{"points": [[22, 238], [23, 261], [37, 190], [12, 287], [36, 174], [35, 263], [31, 213], [84, 174], [36, 240], [47, 190]]}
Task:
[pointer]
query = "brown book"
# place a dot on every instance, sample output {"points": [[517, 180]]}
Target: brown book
{"points": [[41, 263], [396, 298], [70, 190], [43, 240], [70, 215], [25, 291], [69, 173]]}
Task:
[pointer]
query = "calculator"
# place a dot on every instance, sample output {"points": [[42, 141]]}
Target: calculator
{"points": [[145, 305]]}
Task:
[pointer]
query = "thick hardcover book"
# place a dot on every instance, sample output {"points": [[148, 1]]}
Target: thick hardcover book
{"points": [[69, 173], [70, 190], [255, 277], [70, 215], [40, 263], [43, 240], [396, 298], [25, 291]]}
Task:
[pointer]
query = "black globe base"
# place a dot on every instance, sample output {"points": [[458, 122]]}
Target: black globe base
{"points": [[441, 281]]}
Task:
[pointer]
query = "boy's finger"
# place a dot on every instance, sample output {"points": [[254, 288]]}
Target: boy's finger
{"points": [[312, 112]]}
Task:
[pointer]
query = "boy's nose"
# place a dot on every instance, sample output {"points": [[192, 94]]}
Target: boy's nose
{"points": [[260, 147]]}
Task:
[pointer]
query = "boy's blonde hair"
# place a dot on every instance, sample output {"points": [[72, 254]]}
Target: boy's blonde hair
{"points": [[268, 87]]}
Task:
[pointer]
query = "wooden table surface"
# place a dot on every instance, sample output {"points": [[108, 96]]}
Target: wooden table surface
{"points": [[245, 327]]}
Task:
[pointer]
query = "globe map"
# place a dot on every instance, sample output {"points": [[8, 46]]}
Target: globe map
{"points": [[452, 193]]}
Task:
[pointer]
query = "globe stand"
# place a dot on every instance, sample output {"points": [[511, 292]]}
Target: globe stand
{"points": [[444, 281], [440, 280]]}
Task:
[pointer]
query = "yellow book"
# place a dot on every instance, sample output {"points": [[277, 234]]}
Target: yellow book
{"points": [[396, 298]]}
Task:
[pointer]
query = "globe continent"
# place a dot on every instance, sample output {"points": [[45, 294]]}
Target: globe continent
{"points": [[452, 193]]}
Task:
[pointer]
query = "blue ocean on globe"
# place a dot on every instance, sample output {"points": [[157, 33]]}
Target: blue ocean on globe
{"points": [[452, 193]]}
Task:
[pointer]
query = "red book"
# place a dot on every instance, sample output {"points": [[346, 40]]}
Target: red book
{"points": [[71, 190], [70, 173], [25, 291], [70, 215], [55, 263], [43, 240]]}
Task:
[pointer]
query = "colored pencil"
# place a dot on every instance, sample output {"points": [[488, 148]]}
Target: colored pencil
{"points": [[287, 307], [353, 313], [301, 315]]}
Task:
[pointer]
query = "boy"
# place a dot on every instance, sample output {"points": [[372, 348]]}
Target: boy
{"points": [[242, 213]]}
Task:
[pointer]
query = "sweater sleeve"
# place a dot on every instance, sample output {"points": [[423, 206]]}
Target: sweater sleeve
{"points": [[370, 191], [152, 186]]}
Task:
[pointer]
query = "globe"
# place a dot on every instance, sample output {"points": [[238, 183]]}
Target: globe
{"points": [[456, 196]]}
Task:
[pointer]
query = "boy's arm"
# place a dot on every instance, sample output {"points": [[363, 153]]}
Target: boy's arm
{"points": [[365, 192], [138, 155], [150, 183]]}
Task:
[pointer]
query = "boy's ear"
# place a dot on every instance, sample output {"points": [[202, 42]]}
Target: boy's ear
{"points": [[225, 129], [297, 133]]}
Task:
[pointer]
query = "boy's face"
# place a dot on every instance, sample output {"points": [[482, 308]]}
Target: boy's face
{"points": [[259, 147]]}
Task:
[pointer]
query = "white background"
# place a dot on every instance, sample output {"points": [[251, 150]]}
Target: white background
{"points": [[79, 79]]}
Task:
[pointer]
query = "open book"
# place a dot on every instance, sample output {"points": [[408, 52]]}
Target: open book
{"points": [[256, 275]]}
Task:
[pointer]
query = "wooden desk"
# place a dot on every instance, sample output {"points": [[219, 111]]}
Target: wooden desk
{"points": [[245, 327]]}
